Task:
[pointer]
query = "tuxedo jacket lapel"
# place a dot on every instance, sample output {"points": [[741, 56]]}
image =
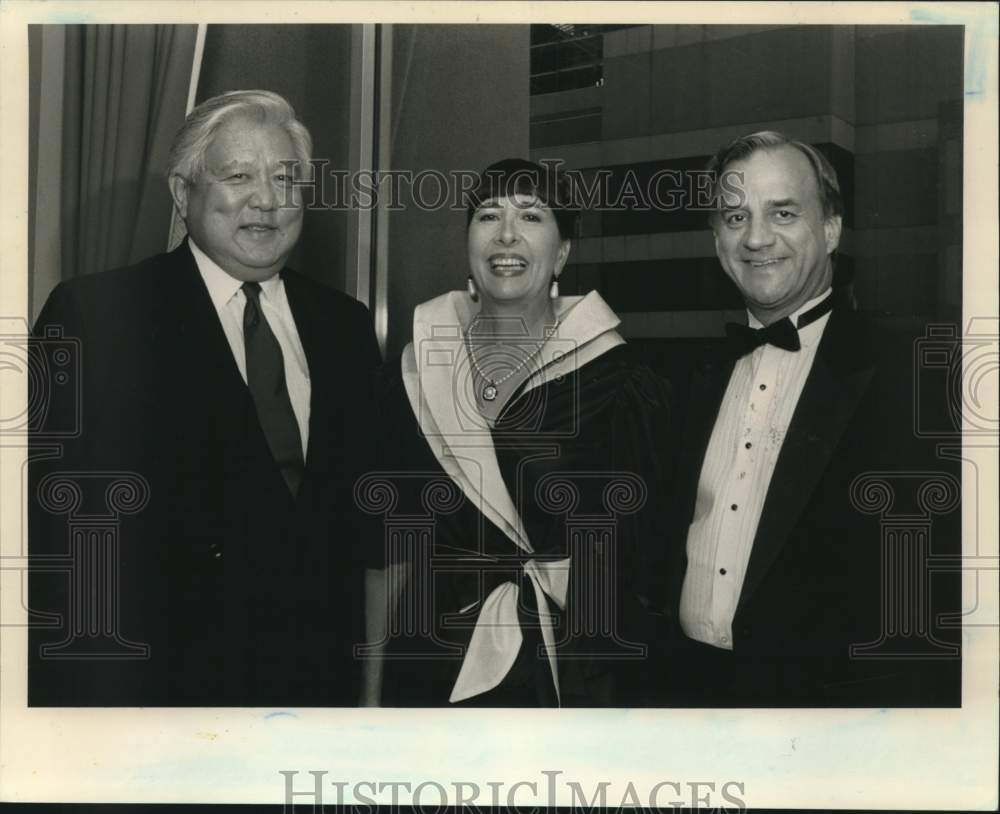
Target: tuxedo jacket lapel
{"points": [[840, 375]]}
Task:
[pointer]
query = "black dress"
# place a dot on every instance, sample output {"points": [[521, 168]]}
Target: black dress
{"points": [[584, 459]]}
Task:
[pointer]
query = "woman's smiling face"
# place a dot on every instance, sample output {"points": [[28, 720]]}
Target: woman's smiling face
{"points": [[515, 249]]}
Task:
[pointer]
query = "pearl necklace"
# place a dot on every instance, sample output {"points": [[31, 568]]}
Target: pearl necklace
{"points": [[489, 391]]}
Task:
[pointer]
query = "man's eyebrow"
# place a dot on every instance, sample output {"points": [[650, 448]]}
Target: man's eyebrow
{"points": [[230, 165], [783, 202]]}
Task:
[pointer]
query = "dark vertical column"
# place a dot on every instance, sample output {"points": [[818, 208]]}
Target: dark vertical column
{"points": [[310, 66], [460, 102]]}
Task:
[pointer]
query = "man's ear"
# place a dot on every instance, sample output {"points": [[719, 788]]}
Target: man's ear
{"points": [[715, 239], [563, 256], [831, 229], [179, 192]]}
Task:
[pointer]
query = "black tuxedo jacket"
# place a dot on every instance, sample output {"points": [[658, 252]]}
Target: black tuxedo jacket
{"points": [[223, 589], [821, 578]]}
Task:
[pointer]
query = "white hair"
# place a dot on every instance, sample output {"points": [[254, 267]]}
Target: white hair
{"points": [[187, 154]]}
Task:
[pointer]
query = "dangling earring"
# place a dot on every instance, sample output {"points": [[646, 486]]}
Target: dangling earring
{"points": [[471, 288], [554, 288]]}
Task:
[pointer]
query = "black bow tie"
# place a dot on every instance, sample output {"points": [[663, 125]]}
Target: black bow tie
{"points": [[781, 334]]}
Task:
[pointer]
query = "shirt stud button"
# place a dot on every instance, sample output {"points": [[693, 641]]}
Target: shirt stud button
{"points": [[722, 571]]}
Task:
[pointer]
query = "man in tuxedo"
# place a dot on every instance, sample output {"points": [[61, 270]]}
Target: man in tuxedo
{"points": [[192, 544], [785, 587]]}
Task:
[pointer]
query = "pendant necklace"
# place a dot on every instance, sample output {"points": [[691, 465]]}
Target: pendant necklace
{"points": [[489, 391]]}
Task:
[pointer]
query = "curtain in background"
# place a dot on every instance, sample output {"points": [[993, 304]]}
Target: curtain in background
{"points": [[110, 99]]}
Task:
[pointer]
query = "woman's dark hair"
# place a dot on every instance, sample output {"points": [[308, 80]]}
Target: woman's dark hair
{"points": [[515, 176]]}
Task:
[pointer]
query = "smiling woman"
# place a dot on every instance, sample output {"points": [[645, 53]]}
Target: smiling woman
{"points": [[515, 252], [513, 416], [520, 221]]}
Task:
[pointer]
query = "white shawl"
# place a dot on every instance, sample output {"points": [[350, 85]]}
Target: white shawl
{"points": [[437, 376]]}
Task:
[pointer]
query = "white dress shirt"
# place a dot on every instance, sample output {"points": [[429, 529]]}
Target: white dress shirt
{"points": [[229, 301], [756, 411]]}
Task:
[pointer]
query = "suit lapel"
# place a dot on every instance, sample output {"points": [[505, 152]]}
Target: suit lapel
{"points": [[840, 375], [315, 336], [204, 382], [188, 330]]}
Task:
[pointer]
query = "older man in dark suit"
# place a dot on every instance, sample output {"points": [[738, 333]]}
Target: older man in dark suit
{"points": [[221, 408], [786, 586]]}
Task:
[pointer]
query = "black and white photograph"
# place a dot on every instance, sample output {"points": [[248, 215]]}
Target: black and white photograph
{"points": [[499, 405]]}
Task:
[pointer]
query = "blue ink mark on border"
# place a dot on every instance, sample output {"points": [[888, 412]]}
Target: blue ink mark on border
{"points": [[981, 33], [281, 714], [75, 17]]}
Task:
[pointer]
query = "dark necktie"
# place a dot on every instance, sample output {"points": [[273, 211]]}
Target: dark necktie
{"points": [[781, 334], [266, 380]]}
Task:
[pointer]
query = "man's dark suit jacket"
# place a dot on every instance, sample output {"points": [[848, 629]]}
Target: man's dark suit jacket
{"points": [[819, 578], [243, 595]]}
